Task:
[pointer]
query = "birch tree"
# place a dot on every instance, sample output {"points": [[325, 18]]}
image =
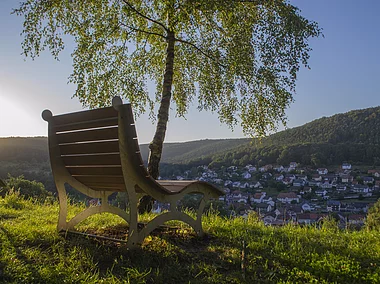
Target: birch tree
{"points": [[238, 59]]}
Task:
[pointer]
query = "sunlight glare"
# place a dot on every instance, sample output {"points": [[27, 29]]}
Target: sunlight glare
{"points": [[14, 120]]}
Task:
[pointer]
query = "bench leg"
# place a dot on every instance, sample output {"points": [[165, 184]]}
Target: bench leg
{"points": [[133, 233], [62, 197]]}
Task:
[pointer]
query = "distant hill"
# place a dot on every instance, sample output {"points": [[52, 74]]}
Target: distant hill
{"points": [[24, 149], [353, 136], [179, 153], [35, 149], [357, 126]]}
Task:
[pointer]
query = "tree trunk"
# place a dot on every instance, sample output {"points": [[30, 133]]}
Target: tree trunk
{"points": [[162, 120]]}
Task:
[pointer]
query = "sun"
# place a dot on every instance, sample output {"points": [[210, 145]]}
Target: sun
{"points": [[14, 120]]}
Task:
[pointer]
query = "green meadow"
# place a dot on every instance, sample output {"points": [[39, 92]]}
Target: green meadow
{"points": [[233, 251]]}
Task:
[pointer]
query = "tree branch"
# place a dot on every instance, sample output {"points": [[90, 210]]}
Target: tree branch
{"points": [[201, 51], [143, 31], [144, 16]]}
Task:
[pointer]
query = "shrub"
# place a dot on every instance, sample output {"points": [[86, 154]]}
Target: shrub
{"points": [[373, 217], [27, 188]]}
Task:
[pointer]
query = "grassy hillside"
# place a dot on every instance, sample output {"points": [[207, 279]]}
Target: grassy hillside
{"points": [[32, 252]]}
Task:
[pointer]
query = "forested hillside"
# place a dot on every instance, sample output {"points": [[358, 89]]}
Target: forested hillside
{"points": [[195, 150], [357, 126], [353, 136]]}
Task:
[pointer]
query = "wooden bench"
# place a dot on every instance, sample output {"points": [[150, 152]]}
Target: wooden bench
{"points": [[97, 153]]}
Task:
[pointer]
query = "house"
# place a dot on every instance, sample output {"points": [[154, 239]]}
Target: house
{"points": [[341, 187], [347, 178], [244, 185], [377, 184], [367, 180], [346, 166], [246, 175], [299, 182], [316, 177], [287, 197], [330, 177], [295, 188], [279, 168], [306, 189], [94, 202], [232, 169], [292, 166], [360, 207], [257, 185], [322, 171], [239, 197], [266, 176], [258, 197], [263, 207], [287, 181], [159, 207], [304, 177], [236, 184], [306, 207], [333, 206], [218, 181], [290, 176], [279, 177], [227, 183], [375, 173], [321, 192], [309, 218], [314, 183], [250, 168], [356, 219], [360, 188], [326, 185]]}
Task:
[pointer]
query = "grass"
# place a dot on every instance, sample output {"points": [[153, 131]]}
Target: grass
{"points": [[31, 251]]}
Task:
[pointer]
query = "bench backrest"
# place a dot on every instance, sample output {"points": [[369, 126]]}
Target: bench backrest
{"points": [[88, 145]]}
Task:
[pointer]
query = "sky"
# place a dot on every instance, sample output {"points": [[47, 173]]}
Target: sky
{"points": [[344, 75]]}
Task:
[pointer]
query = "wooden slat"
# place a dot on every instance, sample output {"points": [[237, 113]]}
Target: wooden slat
{"points": [[106, 171], [89, 135], [90, 148], [87, 115], [107, 187], [90, 160], [115, 180], [110, 187], [113, 121], [174, 186]]}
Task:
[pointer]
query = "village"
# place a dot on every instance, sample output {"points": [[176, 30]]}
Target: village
{"points": [[284, 194]]}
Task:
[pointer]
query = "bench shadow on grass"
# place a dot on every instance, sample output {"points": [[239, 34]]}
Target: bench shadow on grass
{"points": [[168, 255]]}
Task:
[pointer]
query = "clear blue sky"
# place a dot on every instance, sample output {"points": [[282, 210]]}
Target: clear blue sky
{"points": [[345, 75]]}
